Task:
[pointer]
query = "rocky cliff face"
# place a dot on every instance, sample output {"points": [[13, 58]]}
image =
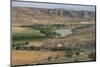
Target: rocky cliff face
{"points": [[42, 15]]}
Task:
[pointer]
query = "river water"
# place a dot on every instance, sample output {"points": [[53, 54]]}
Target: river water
{"points": [[67, 31], [63, 32]]}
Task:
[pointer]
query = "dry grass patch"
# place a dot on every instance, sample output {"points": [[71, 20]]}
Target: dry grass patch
{"points": [[31, 57]]}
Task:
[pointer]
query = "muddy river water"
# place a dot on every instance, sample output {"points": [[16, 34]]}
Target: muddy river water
{"points": [[64, 32]]}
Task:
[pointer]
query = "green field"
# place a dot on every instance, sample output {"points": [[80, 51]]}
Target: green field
{"points": [[35, 32], [27, 35]]}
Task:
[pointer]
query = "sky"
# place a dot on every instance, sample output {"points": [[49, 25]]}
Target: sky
{"points": [[52, 5]]}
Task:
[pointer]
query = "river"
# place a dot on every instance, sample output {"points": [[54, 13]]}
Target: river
{"points": [[63, 32]]}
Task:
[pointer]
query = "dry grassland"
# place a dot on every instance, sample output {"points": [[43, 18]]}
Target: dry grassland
{"points": [[30, 57]]}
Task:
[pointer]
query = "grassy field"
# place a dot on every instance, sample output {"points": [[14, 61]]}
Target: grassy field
{"points": [[22, 34]]}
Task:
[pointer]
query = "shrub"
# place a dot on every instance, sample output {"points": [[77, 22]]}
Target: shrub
{"points": [[34, 48], [57, 57], [75, 60], [49, 58], [17, 47], [77, 53], [69, 53], [92, 55], [26, 43]]}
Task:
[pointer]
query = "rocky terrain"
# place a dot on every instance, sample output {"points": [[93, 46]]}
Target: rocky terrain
{"points": [[28, 16]]}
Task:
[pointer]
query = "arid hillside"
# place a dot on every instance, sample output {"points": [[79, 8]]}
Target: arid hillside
{"points": [[28, 16]]}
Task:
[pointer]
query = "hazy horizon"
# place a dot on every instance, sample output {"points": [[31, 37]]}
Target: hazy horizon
{"points": [[52, 6]]}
